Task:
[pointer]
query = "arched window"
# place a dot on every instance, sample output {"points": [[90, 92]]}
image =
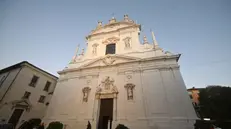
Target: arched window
{"points": [[110, 48]]}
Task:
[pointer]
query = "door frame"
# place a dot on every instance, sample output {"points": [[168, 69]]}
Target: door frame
{"points": [[99, 110], [12, 111]]}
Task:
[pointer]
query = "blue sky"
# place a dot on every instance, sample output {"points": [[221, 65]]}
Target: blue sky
{"points": [[46, 32]]}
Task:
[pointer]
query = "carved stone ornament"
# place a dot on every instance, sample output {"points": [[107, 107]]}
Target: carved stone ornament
{"points": [[88, 82], [107, 86], [111, 40], [129, 77], [99, 24], [129, 87], [86, 91], [108, 60], [112, 20], [23, 103], [107, 83], [127, 42], [94, 48], [145, 40]]}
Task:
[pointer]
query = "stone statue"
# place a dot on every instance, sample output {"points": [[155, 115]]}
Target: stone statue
{"points": [[107, 83], [99, 24], [130, 94], [113, 20], [129, 87], [114, 89], [98, 89], [86, 91], [82, 53], [126, 17], [94, 51], [145, 40], [85, 95], [127, 42]]}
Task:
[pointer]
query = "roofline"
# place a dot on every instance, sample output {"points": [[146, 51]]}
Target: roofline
{"points": [[18, 65], [100, 33], [193, 88]]}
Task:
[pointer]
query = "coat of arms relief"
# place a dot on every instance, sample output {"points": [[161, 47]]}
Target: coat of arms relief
{"points": [[108, 60]]}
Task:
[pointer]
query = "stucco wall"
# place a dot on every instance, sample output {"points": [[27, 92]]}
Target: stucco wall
{"points": [[10, 76], [160, 96]]}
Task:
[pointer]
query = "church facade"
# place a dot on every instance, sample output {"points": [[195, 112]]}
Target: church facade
{"points": [[121, 80]]}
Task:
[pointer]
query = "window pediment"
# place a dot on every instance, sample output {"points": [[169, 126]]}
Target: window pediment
{"points": [[111, 40]]}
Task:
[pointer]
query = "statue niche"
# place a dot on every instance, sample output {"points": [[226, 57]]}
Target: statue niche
{"points": [[94, 49], [86, 91], [127, 42], [130, 87]]}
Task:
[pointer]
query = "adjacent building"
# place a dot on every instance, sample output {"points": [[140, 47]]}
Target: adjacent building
{"points": [[121, 79], [194, 94], [25, 92]]}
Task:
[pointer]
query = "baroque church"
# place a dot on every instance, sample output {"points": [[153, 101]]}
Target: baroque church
{"points": [[121, 79]]}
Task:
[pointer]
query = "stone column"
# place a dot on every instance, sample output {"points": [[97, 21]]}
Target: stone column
{"points": [[95, 114], [115, 109], [114, 113]]}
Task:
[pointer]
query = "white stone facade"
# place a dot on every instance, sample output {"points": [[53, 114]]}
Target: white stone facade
{"points": [[144, 82], [14, 82]]}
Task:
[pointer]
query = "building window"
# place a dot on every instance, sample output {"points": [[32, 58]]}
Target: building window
{"points": [[110, 49], [47, 86], [26, 95], [41, 99], [34, 80]]}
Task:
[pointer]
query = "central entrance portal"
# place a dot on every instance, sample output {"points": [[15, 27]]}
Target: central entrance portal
{"points": [[106, 113]]}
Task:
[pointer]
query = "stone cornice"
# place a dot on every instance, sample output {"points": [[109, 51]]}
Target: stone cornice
{"points": [[132, 61], [123, 70], [145, 68], [82, 76]]}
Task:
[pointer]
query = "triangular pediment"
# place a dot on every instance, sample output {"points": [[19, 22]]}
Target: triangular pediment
{"points": [[23, 102], [109, 60]]}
